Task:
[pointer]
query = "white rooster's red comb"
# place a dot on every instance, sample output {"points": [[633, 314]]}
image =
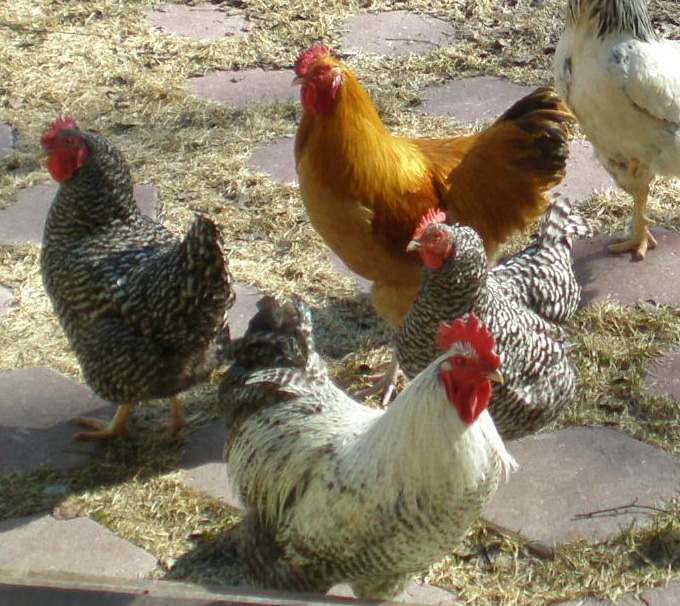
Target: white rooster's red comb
{"points": [[469, 331], [67, 122], [433, 216], [307, 57]]}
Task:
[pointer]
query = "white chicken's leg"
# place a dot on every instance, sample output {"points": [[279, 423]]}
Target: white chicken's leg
{"points": [[104, 431], [639, 237]]}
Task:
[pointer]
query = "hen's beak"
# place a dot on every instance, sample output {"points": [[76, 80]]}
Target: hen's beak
{"points": [[495, 376], [297, 81], [413, 245]]}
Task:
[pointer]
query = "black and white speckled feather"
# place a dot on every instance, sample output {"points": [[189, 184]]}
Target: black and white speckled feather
{"points": [[338, 491], [144, 312], [519, 300], [541, 277]]}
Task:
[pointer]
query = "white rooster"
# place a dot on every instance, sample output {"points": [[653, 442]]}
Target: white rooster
{"points": [[623, 84], [339, 492]]}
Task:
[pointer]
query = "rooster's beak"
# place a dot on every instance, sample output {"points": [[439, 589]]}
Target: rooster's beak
{"points": [[297, 81], [413, 245], [495, 376]]}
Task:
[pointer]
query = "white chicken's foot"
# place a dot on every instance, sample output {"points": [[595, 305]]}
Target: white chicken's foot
{"points": [[386, 382], [103, 430], [638, 238]]}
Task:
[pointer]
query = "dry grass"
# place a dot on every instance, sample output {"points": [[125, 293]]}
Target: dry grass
{"points": [[101, 62]]}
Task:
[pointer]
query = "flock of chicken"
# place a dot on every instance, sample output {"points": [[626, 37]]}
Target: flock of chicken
{"points": [[338, 491]]}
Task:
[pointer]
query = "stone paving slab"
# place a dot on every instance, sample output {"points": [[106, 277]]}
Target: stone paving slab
{"points": [[481, 98], [202, 466], [201, 22], [396, 33], [6, 300], [584, 173], [580, 470], [663, 376], [625, 279], [277, 160], [662, 596], [42, 544], [244, 308], [668, 595], [71, 590], [6, 140], [25, 221], [414, 593], [36, 406], [240, 88]]}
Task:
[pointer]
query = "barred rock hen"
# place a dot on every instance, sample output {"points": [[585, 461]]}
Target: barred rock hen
{"points": [[365, 189], [520, 300], [144, 312], [338, 491], [623, 83]]}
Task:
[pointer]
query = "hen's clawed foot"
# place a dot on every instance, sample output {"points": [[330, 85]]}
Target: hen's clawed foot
{"points": [[386, 382], [104, 431], [638, 242]]}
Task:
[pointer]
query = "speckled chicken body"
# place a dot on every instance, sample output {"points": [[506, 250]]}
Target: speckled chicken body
{"points": [[522, 300], [338, 491], [144, 312]]}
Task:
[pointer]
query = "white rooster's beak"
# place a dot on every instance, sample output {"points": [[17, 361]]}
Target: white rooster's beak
{"points": [[413, 245], [495, 376]]}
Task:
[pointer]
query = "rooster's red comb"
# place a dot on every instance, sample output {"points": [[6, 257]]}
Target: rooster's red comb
{"points": [[433, 216], [474, 333], [307, 57], [59, 124]]}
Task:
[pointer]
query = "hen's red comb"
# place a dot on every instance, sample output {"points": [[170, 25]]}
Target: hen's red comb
{"points": [[433, 216], [307, 57], [59, 124], [469, 331]]}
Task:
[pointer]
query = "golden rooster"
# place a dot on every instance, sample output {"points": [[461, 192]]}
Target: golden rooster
{"points": [[365, 189]]}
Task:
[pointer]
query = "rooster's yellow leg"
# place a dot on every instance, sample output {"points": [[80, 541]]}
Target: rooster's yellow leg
{"points": [[104, 431], [177, 420], [639, 238]]}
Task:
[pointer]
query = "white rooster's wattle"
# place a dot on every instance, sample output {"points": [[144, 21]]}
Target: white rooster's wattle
{"points": [[339, 492], [623, 84]]}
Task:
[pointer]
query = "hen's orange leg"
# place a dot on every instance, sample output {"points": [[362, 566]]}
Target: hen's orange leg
{"points": [[103, 430], [386, 383], [638, 238], [177, 420]]}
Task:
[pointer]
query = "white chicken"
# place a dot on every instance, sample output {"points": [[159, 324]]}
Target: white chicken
{"points": [[339, 492], [623, 84]]}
